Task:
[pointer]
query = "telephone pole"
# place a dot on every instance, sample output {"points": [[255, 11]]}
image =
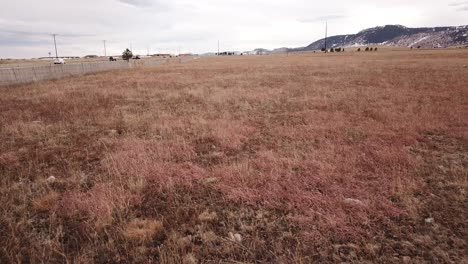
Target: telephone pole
{"points": [[218, 48], [55, 44], [326, 35], [105, 50]]}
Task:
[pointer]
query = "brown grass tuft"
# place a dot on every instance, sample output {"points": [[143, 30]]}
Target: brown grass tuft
{"points": [[47, 202], [142, 230]]}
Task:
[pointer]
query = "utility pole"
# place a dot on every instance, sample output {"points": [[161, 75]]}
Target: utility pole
{"points": [[326, 35], [218, 47], [55, 44], [105, 51]]}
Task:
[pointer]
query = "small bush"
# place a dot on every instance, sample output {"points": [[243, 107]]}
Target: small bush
{"points": [[359, 49], [127, 54], [367, 48]]}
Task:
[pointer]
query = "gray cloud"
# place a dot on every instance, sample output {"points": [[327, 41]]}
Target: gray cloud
{"points": [[196, 26], [35, 33], [137, 3], [460, 6], [458, 3], [322, 18]]}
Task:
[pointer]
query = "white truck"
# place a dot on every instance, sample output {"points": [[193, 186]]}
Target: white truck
{"points": [[59, 61]]}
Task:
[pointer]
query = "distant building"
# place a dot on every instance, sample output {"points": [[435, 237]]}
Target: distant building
{"points": [[161, 55], [63, 57], [226, 53]]}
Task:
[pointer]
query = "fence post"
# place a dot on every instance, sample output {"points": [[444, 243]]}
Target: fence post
{"points": [[82, 68], [14, 73], [34, 71]]}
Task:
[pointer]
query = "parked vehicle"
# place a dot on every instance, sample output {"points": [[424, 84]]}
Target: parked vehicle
{"points": [[112, 59], [59, 61]]}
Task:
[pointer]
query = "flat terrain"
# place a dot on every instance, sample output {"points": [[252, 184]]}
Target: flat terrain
{"points": [[354, 157]]}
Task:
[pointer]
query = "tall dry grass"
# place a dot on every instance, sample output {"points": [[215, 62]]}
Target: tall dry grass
{"points": [[302, 158]]}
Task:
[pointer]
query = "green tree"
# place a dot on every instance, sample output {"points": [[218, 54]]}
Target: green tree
{"points": [[127, 55]]}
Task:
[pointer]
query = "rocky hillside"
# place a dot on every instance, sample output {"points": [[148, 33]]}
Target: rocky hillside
{"points": [[394, 35]]}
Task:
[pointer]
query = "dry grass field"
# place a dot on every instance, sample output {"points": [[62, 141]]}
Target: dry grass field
{"points": [[349, 157]]}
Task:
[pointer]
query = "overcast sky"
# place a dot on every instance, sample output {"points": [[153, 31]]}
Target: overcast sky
{"points": [[195, 26]]}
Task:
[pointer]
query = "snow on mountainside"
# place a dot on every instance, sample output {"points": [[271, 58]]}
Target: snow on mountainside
{"points": [[395, 35]]}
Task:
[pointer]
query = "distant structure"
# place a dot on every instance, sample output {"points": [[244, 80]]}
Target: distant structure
{"points": [[226, 53], [161, 55], [62, 57]]}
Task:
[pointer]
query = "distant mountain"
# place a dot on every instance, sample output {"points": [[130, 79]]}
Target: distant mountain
{"points": [[393, 35], [400, 36]]}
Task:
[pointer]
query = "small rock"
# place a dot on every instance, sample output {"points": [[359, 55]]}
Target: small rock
{"points": [[189, 259], [207, 216], [51, 179], [429, 220], [113, 132], [238, 238], [406, 259], [353, 201], [235, 237], [210, 180]]}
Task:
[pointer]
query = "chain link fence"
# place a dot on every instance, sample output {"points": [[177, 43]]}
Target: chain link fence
{"points": [[20, 75]]}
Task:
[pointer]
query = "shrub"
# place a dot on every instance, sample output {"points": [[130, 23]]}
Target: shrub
{"points": [[367, 48], [127, 54], [375, 49], [359, 49], [371, 49]]}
